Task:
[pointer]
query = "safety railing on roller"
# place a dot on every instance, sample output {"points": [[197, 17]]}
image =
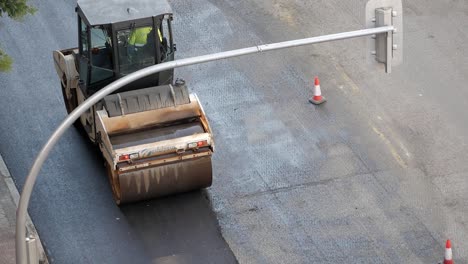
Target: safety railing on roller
{"points": [[383, 27]]}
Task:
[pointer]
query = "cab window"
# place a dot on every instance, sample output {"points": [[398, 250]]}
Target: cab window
{"points": [[83, 38], [101, 54], [136, 48], [83, 47], [165, 39]]}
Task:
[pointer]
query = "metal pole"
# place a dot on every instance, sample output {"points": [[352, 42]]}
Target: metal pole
{"points": [[70, 119], [31, 249]]}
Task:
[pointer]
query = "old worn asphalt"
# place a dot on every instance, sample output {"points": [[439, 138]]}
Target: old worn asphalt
{"points": [[376, 175]]}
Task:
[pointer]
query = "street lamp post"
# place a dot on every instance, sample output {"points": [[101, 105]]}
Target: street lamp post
{"points": [[21, 251]]}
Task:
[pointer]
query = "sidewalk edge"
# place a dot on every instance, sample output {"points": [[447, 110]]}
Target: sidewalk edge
{"points": [[5, 173]]}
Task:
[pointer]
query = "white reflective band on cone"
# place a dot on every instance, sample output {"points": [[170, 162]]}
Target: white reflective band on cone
{"points": [[448, 254], [317, 91]]}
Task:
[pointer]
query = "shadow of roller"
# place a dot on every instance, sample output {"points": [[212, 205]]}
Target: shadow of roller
{"points": [[179, 229]]}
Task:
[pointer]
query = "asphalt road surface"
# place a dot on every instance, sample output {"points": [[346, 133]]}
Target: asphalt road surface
{"points": [[72, 205], [378, 174]]}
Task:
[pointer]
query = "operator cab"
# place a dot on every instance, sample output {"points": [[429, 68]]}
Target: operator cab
{"points": [[118, 37]]}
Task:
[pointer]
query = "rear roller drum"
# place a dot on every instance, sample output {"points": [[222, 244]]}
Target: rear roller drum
{"points": [[114, 182], [167, 179]]}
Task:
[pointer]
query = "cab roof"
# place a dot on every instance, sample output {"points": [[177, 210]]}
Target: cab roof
{"points": [[103, 12]]}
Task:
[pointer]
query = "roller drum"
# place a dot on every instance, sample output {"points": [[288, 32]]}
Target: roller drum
{"points": [[167, 179]]}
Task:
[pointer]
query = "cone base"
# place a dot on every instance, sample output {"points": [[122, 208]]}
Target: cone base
{"points": [[317, 102]]}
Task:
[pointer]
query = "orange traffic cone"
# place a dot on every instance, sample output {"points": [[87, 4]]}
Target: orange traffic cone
{"points": [[448, 253], [317, 97]]}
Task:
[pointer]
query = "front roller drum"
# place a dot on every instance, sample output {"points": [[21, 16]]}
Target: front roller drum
{"points": [[153, 182]]}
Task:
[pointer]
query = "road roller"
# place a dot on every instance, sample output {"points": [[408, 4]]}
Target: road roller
{"points": [[153, 133]]}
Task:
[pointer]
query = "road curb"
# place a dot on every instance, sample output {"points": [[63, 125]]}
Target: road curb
{"points": [[31, 229]]}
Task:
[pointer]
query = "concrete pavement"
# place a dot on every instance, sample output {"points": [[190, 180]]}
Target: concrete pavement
{"points": [[376, 175], [9, 198]]}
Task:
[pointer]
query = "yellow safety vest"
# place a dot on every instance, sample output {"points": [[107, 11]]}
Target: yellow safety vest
{"points": [[139, 36]]}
